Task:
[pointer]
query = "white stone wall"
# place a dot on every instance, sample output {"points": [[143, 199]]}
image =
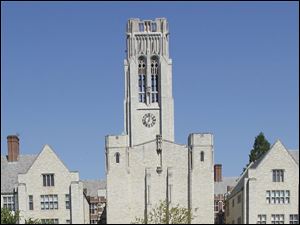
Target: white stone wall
{"points": [[126, 187], [140, 44], [259, 180], [31, 183], [278, 158], [235, 211], [136, 177], [202, 188]]}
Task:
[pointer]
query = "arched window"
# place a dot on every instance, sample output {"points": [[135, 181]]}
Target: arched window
{"points": [[202, 156], [117, 155], [142, 79], [154, 79]]}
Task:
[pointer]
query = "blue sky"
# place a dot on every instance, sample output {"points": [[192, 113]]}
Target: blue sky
{"points": [[235, 73]]}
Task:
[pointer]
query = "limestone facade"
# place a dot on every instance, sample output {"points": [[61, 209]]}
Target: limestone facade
{"points": [[268, 190], [144, 165], [43, 188]]}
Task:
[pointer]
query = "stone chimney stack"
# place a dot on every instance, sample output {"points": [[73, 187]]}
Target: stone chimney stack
{"points": [[218, 172], [13, 148]]}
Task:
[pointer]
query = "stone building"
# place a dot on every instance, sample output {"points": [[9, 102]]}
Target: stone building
{"points": [[144, 165], [268, 190], [96, 194], [41, 187], [223, 186]]}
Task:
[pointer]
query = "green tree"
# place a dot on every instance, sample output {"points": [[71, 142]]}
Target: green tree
{"points": [[162, 214], [260, 147], [9, 217]]}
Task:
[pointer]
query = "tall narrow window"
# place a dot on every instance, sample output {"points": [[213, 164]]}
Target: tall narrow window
{"points": [[216, 206], [67, 201], [142, 79], [154, 79], [154, 27], [117, 155], [30, 200], [239, 198], [202, 156], [141, 27]]}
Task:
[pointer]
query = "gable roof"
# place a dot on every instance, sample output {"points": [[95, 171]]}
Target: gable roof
{"points": [[10, 171], [48, 148], [92, 186], [294, 154]]}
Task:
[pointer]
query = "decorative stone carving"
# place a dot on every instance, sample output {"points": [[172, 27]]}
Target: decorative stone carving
{"points": [[158, 143]]}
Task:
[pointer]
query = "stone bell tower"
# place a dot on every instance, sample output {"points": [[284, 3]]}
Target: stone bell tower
{"points": [[148, 104]]}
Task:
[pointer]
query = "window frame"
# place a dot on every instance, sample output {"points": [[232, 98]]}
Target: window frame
{"points": [[278, 175], [294, 219], [261, 219], [9, 202], [117, 157], [49, 202], [30, 202], [67, 201], [142, 78], [277, 219], [48, 179]]}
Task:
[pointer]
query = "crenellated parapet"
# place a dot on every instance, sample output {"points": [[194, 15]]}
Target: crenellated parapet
{"points": [[147, 37]]}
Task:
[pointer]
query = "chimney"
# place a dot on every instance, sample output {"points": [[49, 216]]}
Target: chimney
{"points": [[218, 172], [13, 148]]}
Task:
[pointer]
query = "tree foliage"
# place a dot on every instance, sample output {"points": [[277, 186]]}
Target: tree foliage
{"points": [[260, 147], [9, 217], [162, 214]]}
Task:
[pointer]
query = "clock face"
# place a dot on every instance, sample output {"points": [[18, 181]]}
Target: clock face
{"points": [[149, 120]]}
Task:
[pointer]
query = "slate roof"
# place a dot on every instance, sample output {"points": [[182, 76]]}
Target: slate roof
{"points": [[93, 186], [295, 155], [221, 187], [10, 171]]}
